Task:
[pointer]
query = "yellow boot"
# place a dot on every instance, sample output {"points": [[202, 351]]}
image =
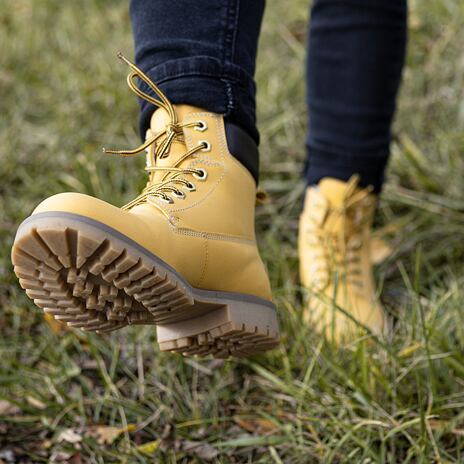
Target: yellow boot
{"points": [[182, 255], [335, 264]]}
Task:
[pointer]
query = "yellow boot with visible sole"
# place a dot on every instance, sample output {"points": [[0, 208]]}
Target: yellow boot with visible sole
{"points": [[182, 255], [335, 259]]}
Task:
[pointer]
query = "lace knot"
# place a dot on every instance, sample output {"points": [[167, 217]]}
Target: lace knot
{"points": [[158, 146]]}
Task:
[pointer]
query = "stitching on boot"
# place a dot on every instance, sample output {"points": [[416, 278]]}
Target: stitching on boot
{"points": [[205, 262], [222, 146], [212, 235]]}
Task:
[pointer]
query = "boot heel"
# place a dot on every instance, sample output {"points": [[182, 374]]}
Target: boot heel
{"points": [[238, 328]]}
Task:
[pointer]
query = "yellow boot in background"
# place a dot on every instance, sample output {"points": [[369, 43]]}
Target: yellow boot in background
{"points": [[335, 259], [182, 255]]}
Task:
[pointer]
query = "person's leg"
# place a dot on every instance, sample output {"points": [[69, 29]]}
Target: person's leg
{"points": [[354, 65], [202, 54], [355, 60]]}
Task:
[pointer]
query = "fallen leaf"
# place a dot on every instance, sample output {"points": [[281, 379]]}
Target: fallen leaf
{"points": [[410, 350], [60, 456], [55, 326], [202, 450], [256, 424], [8, 409], [149, 448], [69, 436], [106, 435], [76, 459], [35, 402]]}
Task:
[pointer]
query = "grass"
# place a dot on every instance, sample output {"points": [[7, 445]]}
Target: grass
{"points": [[63, 97]]}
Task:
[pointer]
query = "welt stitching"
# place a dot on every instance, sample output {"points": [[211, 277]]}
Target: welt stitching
{"points": [[205, 263], [212, 236]]}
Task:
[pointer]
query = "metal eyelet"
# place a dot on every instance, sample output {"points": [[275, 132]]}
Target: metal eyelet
{"points": [[201, 176], [206, 145], [190, 187], [201, 126], [167, 200], [179, 194]]}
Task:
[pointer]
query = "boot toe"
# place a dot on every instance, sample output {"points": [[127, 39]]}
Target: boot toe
{"points": [[338, 326], [85, 206], [81, 204]]}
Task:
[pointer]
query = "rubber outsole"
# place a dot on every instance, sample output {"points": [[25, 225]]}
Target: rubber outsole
{"points": [[94, 278]]}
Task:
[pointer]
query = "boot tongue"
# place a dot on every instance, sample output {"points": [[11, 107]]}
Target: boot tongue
{"points": [[335, 191], [351, 205], [159, 122]]}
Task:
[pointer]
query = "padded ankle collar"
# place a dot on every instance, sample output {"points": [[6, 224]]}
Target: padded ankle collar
{"points": [[243, 147]]}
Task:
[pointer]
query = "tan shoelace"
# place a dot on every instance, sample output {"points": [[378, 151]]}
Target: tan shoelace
{"points": [[158, 146], [340, 250]]}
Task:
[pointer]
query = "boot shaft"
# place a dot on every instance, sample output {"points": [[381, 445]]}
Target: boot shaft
{"points": [[221, 200]]}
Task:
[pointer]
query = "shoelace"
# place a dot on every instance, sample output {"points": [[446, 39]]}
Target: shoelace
{"points": [[340, 250], [158, 146]]}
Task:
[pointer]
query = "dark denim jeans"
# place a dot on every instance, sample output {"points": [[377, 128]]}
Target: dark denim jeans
{"points": [[203, 53], [200, 53]]}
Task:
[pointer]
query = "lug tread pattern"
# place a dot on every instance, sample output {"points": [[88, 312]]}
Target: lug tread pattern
{"points": [[96, 282], [225, 340]]}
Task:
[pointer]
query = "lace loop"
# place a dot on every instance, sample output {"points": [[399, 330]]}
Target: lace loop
{"points": [[158, 146]]}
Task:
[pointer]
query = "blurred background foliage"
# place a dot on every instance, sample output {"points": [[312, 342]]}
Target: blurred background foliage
{"points": [[72, 397]]}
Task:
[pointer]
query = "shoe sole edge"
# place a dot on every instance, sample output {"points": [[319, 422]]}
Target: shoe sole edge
{"points": [[93, 277]]}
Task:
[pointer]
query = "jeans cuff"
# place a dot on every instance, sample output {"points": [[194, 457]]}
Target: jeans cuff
{"points": [[207, 83], [369, 166]]}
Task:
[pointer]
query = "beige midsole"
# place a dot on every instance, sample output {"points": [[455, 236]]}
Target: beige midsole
{"points": [[237, 312]]}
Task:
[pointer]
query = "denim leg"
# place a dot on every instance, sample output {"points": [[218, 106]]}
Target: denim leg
{"points": [[355, 60], [200, 53]]}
